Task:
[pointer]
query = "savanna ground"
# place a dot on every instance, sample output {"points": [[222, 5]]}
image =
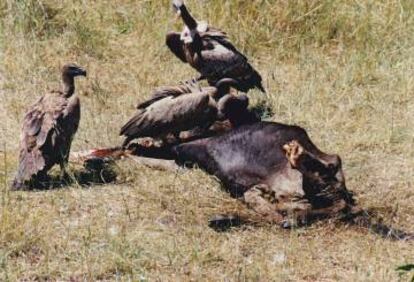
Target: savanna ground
{"points": [[342, 69]]}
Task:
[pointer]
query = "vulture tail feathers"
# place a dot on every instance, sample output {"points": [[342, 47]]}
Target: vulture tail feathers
{"points": [[256, 80], [31, 163], [133, 125]]}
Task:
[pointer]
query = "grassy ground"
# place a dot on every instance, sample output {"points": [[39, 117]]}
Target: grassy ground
{"points": [[342, 69]]}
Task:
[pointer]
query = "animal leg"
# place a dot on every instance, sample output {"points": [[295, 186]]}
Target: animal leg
{"points": [[254, 198], [334, 209], [126, 142]]}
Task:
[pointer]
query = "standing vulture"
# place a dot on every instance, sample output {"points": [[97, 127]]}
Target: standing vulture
{"points": [[178, 108], [210, 52], [48, 129]]}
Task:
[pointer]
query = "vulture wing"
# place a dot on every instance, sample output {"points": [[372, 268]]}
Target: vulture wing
{"points": [[176, 46], [170, 115], [164, 92], [222, 60], [222, 38], [39, 123]]}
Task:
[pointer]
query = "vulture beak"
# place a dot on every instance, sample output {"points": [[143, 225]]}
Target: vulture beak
{"points": [[177, 15], [177, 11], [81, 72]]}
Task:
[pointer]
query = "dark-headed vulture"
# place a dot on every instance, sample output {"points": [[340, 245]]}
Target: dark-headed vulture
{"points": [[211, 53], [48, 129], [173, 109]]}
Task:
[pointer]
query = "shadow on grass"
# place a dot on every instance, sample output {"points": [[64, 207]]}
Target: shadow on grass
{"points": [[262, 110], [95, 172]]}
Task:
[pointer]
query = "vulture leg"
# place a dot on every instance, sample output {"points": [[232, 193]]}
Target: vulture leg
{"points": [[41, 180], [64, 175], [127, 141]]}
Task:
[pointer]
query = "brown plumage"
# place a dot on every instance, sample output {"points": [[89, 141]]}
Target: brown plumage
{"points": [[211, 53], [48, 128], [177, 108]]}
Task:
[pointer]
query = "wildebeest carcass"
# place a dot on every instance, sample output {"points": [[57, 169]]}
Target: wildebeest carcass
{"points": [[279, 173], [276, 170], [211, 53]]}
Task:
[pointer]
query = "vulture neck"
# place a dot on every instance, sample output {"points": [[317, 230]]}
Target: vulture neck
{"points": [[189, 21], [68, 85], [223, 87]]}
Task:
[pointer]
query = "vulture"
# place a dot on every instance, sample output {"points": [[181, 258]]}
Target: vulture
{"points": [[48, 129], [211, 53], [173, 109]]}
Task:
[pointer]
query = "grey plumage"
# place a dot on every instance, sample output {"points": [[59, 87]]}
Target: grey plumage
{"points": [[48, 129]]}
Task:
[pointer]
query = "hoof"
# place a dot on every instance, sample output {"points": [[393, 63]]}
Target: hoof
{"points": [[222, 223]]}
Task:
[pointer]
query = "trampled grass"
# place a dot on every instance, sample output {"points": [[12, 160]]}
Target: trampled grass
{"points": [[341, 69]]}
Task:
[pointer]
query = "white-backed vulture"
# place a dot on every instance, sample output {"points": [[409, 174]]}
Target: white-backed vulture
{"points": [[211, 53], [179, 108], [48, 129]]}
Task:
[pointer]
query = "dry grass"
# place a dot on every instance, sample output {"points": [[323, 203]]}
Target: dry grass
{"points": [[342, 69]]}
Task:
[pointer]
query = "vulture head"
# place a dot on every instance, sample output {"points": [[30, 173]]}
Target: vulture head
{"points": [[177, 4], [69, 72], [235, 109], [232, 106], [192, 27], [223, 87], [72, 70]]}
